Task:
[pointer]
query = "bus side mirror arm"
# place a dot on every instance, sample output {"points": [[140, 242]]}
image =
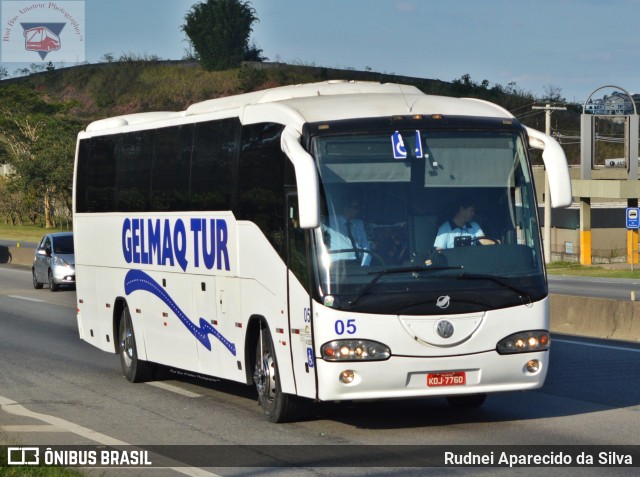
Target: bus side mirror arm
{"points": [[306, 178], [555, 162]]}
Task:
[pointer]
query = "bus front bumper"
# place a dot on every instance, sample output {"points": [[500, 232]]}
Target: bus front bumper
{"points": [[406, 377]]}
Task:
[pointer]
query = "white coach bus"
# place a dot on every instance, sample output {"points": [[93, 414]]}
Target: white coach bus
{"points": [[213, 240]]}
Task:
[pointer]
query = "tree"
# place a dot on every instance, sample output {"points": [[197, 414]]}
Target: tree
{"points": [[219, 31], [553, 94], [39, 140]]}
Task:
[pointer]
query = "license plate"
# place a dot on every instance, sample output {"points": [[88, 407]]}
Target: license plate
{"points": [[454, 378]]}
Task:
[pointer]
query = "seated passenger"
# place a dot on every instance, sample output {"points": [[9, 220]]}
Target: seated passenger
{"points": [[348, 233], [452, 232]]}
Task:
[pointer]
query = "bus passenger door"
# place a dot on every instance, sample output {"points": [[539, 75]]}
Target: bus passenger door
{"points": [[303, 360]]}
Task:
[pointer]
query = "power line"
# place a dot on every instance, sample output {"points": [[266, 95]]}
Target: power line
{"points": [[521, 107], [529, 114]]}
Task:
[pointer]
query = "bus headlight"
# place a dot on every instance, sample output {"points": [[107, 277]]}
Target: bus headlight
{"points": [[524, 342], [355, 350]]}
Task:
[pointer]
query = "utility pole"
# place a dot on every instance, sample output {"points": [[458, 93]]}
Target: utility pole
{"points": [[547, 197]]}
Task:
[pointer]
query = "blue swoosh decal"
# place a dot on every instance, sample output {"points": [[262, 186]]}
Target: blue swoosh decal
{"points": [[139, 280]]}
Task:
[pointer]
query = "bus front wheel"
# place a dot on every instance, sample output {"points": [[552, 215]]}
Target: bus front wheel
{"points": [[277, 406], [134, 369]]}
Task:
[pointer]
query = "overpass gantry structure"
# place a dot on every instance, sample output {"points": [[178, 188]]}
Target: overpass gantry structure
{"points": [[603, 183]]}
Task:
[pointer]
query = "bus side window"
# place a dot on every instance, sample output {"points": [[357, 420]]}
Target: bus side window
{"points": [[133, 166], [212, 164], [96, 182], [261, 197], [170, 183]]}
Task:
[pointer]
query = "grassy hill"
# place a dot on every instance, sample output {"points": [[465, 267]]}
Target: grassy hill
{"points": [[120, 87], [135, 85]]}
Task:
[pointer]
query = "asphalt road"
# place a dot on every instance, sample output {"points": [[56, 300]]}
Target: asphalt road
{"points": [[608, 288], [56, 389]]}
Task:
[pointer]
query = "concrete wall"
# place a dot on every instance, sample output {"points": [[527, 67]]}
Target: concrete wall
{"points": [[608, 245], [582, 316], [17, 255], [595, 317], [606, 239]]}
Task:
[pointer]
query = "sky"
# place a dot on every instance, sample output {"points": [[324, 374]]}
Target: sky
{"points": [[576, 46]]}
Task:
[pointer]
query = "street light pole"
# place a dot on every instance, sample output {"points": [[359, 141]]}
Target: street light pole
{"points": [[547, 196]]}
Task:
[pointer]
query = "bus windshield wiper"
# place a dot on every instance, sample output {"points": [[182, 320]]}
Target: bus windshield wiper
{"points": [[390, 271], [495, 279]]}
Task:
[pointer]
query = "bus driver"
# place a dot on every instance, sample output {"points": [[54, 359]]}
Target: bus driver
{"points": [[461, 229]]}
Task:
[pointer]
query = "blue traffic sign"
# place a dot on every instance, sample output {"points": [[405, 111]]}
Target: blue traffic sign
{"points": [[633, 217]]}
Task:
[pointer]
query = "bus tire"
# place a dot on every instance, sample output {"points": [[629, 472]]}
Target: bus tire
{"points": [[277, 406], [466, 401], [133, 368]]}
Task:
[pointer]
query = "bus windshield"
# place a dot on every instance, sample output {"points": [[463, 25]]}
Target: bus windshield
{"points": [[412, 216]]}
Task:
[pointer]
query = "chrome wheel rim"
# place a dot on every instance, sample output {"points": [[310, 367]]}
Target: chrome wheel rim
{"points": [[126, 344], [264, 377]]}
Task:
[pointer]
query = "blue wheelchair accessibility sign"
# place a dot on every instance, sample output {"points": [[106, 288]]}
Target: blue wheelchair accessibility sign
{"points": [[399, 148], [310, 360]]}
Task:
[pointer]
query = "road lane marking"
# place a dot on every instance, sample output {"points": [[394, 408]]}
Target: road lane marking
{"points": [[16, 409], [173, 389], [18, 297], [595, 345], [31, 428], [12, 407]]}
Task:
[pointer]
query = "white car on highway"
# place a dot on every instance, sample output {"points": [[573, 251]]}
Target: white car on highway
{"points": [[54, 261]]}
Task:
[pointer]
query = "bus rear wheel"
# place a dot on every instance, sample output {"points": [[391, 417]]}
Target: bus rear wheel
{"points": [[133, 368], [277, 406]]}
